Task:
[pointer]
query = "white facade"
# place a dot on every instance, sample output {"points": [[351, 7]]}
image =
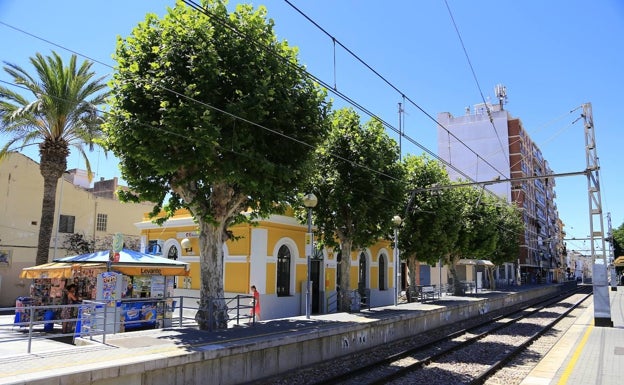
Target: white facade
{"points": [[474, 134]]}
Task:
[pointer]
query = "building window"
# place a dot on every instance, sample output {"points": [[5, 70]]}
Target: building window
{"points": [[173, 253], [382, 272], [102, 220], [283, 271], [66, 223]]}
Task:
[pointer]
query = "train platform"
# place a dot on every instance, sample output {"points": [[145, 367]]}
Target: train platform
{"points": [[586, 354]]}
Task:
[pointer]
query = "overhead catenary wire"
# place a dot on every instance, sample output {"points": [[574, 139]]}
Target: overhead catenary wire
{"points": [[195, 6], [340, 94], [391, 85], [474, 75], [169, 132], [346, 98]]}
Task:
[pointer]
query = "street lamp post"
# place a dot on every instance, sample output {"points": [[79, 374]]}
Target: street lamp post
{"points": [[396, 221], [309, 201]]}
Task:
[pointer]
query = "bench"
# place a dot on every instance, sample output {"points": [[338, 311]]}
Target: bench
{"points": [[428, 293]]}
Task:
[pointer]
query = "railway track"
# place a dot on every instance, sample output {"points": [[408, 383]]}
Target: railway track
{"points": [[466, 356]]}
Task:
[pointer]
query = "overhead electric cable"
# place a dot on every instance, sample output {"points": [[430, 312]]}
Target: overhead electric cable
{"points": [[364, 63], [319, 80], [474, 75]]}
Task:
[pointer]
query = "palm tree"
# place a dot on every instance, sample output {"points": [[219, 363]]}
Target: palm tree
{"points": [[63, 114]]}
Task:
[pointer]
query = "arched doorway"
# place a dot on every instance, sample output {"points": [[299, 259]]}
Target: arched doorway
{"points": [[383, 272], [362, 277], [283, 271], [315, 276]]}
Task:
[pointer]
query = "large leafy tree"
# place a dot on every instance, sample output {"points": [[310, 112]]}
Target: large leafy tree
{"points": [[358, 182], [210, 110], [430, 227], [62, 113], [509, 230], [477, 235]]}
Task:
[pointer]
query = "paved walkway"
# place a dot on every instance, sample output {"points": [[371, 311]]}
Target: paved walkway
{"points": [[586, 355]]}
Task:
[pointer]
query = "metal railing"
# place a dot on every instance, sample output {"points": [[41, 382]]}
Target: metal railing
{"points": [[97, 319]]}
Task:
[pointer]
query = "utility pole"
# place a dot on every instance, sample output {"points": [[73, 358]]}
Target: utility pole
{"points": [[602, 304]]}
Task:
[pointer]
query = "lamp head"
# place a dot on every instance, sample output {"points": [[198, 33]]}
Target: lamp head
{"points": [[396, 221], [186, 243], [310, 200]]}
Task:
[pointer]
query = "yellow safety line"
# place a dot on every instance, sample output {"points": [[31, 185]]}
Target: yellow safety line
{"points": [[577, 353]]}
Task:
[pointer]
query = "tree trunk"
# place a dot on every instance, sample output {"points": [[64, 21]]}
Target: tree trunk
{"points": [[345, 280], [212, 313], [491, 278], [52, 166], [457, 286]]}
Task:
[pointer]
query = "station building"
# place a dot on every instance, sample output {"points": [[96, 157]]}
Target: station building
{"points": [[270, 254]]}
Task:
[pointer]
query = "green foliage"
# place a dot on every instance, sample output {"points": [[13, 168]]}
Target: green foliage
{"points": [[358, 183], [430, 226], [203, 101], [509, 229], [454, 222], [357, 180], [618, 241], [213, 113], [62, 113], [77, 243]]}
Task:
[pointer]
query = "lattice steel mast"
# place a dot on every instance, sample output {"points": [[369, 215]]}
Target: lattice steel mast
{"points": [[602, 306]]}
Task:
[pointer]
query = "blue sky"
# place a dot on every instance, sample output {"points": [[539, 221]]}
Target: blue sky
{"points": [[552, 56]]}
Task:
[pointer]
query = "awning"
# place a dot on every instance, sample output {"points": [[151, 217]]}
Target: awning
{"points": [[619, 261], [133, 263], [478, 262], [60, 270]]}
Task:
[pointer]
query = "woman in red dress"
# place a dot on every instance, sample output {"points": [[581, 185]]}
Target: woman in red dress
{"points": [[255, 303]]}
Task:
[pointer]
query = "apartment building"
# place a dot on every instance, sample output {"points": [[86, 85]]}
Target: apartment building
{"points": [[487, 144]]}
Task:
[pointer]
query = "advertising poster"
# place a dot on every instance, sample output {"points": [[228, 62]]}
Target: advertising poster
{"points": [[158, 286], [109, 287]]}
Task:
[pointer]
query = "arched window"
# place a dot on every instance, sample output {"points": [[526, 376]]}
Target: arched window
{"points": [[383, 272], [283, 271], [173, 252]]}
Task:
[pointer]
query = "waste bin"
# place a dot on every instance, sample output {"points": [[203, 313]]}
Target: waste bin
{"points": [[49, 318]]}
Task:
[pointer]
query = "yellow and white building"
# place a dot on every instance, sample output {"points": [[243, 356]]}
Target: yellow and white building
{"points": [[270, 254]]}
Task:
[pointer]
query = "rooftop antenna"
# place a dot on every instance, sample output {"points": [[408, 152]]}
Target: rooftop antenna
{"points": [[501, 93]]}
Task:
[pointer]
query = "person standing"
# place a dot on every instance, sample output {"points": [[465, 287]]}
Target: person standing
{"points": [[69, 312], [255, 303]]}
